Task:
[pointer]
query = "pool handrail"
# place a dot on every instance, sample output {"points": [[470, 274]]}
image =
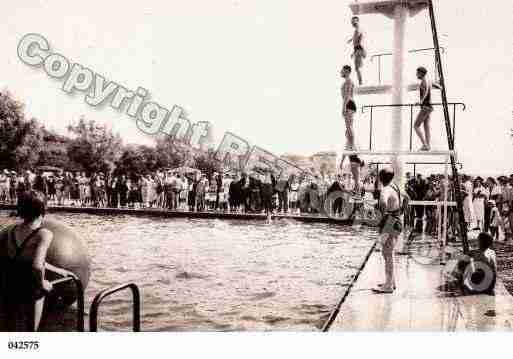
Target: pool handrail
{"points": [[136, 297]]}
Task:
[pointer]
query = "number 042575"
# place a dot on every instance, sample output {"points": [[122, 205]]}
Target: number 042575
{"points": [[23, 345]]}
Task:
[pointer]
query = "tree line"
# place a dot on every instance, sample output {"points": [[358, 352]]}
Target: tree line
{"points": [[25, 144]]}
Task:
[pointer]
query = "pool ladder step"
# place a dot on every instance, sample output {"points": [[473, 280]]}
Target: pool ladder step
{"points": [[98, 299]]}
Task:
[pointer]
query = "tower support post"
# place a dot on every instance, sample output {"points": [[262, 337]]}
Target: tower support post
{"points": [[401, 15]]}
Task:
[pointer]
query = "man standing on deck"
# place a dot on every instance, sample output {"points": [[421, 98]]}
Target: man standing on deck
{"points": [[390, 227]]}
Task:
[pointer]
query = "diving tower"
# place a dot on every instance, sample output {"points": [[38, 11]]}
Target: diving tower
{"points": [[400, 11]]}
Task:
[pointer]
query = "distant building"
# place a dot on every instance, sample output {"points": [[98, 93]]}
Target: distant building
{"points": [[321, 162], [325, 162]]}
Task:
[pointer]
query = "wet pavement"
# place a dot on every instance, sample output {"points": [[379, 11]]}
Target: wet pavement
{"points": [[419, 302]]}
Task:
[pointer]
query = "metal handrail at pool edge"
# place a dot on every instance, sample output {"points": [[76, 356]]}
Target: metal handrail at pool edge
{"points": [[136, 296]]}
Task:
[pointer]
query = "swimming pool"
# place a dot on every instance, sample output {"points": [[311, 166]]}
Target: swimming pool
{"points": [[212, 274]]}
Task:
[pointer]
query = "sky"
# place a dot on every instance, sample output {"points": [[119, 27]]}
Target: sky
{"points": [[266, 70]]}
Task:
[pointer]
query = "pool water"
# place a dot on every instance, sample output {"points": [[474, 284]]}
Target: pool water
{"points": [[211, 274]]}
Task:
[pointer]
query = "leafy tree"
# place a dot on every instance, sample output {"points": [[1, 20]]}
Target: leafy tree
{"points": [[55, 152], [207, 163], [20, 140], [138, 160], [94, 147], [169, 153]]}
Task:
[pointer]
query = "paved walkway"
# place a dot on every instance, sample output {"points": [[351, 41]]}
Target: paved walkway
{"points": [[418, 304]]}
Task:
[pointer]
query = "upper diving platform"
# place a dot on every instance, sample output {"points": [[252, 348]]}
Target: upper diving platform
{"points": [[399, 153], [382, 88], [387, 7]]}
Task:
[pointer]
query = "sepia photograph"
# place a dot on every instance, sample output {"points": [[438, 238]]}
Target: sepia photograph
{"points": [[315, 171]]}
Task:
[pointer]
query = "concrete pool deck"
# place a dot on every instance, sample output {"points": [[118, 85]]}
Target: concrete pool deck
{"points": [[419, 304]]}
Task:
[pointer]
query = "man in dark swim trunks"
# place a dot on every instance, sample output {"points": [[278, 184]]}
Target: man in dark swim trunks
{"points": [[390, 202], [359, 52], [348, 106], [426, 108]]}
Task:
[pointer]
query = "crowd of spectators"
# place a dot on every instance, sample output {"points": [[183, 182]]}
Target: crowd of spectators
{"points": [[257, 191], [488, 203]]}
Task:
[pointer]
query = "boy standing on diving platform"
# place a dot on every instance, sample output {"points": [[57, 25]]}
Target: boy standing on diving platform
{"points": [[424, 116], [348, 106], [359, 52]]}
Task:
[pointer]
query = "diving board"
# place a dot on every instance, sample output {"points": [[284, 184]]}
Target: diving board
{"points": [[399, 153], [381, 89], [373, 90], [387, 7]]}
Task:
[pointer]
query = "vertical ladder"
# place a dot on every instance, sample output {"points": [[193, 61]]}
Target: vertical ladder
{"points": [[450, 137]]}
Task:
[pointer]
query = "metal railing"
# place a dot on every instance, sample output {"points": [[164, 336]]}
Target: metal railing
{"points": [[414, 164], [136, 296], [383, 54], [411, 106], [80, 298]]}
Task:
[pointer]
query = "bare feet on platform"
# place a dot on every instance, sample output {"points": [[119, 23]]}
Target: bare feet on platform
{"points": [[382, 289], [383, 284]]}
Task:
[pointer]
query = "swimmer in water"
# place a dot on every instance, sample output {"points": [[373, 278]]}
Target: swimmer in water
{"points": [[348, 106], [426, 108], [359, 53], [23, 249]]}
